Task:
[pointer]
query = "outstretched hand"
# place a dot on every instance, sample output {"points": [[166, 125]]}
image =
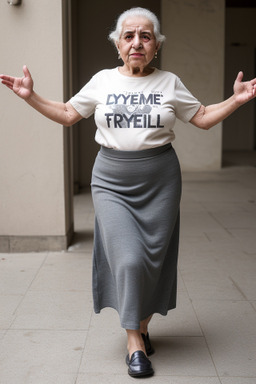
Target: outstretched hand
{"points": [[22, 86], [244, 90]]}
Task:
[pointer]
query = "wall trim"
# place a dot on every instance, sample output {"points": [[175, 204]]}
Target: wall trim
{"points": [[23, 244]]}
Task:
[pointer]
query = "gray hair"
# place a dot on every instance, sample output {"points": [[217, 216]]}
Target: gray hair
{"points": [[138, 11]]}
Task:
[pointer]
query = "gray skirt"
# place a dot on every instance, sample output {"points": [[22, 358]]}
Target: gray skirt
{"points": [[136, 196]]}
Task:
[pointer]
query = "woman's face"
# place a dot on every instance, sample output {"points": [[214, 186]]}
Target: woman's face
{"points": [[137, 44]]}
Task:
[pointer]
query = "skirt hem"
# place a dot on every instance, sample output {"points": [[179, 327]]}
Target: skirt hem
{"points": [[134, 326]]}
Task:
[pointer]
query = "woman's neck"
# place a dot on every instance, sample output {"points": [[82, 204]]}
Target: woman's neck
{"points": [[135, 71]]}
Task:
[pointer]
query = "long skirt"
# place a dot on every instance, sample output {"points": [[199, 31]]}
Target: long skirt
{"points": [[136, 196]]}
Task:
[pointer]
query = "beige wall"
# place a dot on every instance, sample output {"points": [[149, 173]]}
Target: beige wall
{"points": [[32, 178], [194, 50]]}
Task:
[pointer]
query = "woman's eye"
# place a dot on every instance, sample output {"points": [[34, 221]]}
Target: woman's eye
{"points": [[146, 37], [128, 37]]}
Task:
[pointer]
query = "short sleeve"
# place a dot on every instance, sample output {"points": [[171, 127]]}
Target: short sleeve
{"points": [[85, 101], [186, 105]]}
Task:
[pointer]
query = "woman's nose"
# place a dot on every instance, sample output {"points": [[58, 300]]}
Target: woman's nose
{"points": [[136, 42]]}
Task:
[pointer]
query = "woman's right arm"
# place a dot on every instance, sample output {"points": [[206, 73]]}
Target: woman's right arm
{"points": [[62, 113]]}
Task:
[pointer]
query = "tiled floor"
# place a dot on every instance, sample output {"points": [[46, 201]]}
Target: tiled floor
{"points": [[50, 335]]}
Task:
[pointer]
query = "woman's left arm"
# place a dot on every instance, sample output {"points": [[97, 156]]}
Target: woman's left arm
{"points": [[207, 117]]}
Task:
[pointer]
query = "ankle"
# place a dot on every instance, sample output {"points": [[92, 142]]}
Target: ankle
{"points": [[144, 325], [135, 342]]}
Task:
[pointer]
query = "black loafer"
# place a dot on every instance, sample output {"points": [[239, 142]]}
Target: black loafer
{"points": [[139, 365], [149, 349]]}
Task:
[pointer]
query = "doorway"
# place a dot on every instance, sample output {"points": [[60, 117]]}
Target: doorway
{"points": [[92, 21], [239, 130]]}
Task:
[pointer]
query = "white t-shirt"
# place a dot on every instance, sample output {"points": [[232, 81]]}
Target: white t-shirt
{"points": [[135, 113]]}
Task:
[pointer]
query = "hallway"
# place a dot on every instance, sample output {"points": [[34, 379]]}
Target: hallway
{"points": [[49, 333]]}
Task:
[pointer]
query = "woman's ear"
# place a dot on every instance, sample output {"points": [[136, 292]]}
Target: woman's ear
{"points": [[158, 46], [118, 52]]}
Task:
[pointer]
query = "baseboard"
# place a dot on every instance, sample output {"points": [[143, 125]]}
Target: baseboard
{"points": [[23, 244]]}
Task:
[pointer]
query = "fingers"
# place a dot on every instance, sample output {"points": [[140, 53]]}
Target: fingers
{"points": [[7, 80], [240, 76], [9, 85], [11, 79], [253, 90], [26, 71], [253, 82]]}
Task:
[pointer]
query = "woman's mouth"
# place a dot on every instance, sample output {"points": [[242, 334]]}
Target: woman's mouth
{"points": [[136, 55]]}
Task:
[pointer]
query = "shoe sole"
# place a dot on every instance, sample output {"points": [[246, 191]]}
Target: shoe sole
{"points": [[141, 374]]}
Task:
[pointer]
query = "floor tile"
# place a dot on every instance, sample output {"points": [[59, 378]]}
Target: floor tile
{"points": [[230, 332], [246, 238], [95, 378], [242, 274], [17, 272], [204, 191], [237, 380], [188, 240], [190, 380], [105, 335], [54, 310], [209, 282], [2, 333], [231, 264], [223, 273], [236, 220], [40, 357], [8, 305], [197, 223], [188, 206], [156, 379], [230, 208], [219, 237], [180, 321], [14, 261], [65, 272], [182, 356]]}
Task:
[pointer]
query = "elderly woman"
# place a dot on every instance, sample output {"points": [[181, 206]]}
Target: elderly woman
{"points": [[136, 181]]}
